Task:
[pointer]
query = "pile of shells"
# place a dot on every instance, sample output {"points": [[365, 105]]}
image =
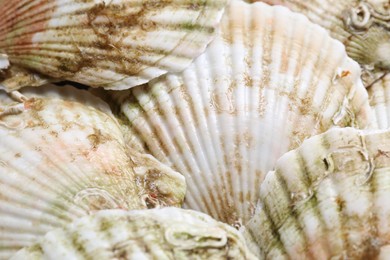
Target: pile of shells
{"points": [[194, 129]]}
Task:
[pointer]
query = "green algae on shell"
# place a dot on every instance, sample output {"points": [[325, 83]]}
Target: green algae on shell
{"points": [[168, 233], [328, 199], [62, 156], [114, 44]]}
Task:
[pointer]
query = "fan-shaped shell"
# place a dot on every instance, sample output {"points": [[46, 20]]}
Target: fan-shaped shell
{"points": [[379, 94], [269, 80], [328, 199], [63, 157], [168, 233], [114, 44], [362, 25]]}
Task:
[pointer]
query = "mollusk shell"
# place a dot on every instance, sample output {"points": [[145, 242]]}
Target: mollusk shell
{"points": [[168, 233], [113, 44], [379, 94], [62, 156], [328, 199], [362, 25], [269, 80]]}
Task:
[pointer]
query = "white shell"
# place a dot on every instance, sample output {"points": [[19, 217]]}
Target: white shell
{"points": [[4, 62], [269, 80], [114, 44], [62, 156], [328, 199], [168, 233], [379, 94], [362, 25]]}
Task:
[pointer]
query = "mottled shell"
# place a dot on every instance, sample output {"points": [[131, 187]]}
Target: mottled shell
{"points": [[168, 233], [328, 199], [362, 25], [114, 44], [62, 156], [269, 80], [379, 94]]}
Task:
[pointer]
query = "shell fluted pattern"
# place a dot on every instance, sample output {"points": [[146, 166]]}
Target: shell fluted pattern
{"points": [[269, 80], [62, 156], [379, 94], [362, 25], [328, 199], [168, 233], [113, 44]]}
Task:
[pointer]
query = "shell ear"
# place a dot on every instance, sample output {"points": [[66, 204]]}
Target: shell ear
{"points": [[14, 78], [161, 186]]}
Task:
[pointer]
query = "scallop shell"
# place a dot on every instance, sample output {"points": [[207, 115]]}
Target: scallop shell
{"points": [[328, 199], [114, 44], [62, 156], [168, 233], [269, 80], [379, 94], [362, 25]]}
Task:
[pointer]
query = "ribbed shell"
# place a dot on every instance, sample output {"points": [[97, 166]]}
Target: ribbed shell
{"points": [[114, 44], [328, 199], [379, 94], [362, 25], [269, 80], [169, 233], [65, 157]]}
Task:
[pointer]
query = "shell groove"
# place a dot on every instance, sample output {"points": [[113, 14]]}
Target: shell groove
{"points": [[113, 44], [362, 25], [269, 80], [62, 156], [328, 199], [168, 233], [379, 94]]}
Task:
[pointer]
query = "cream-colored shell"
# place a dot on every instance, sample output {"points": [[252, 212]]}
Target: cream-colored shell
{"points": [[163, 234], [114, 44], [269, 80], [362, 25], [379, 94], [328, 199], [62, 156]]}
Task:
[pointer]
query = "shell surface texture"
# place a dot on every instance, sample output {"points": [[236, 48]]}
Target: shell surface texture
{"points": [[379, 94], [362, 25], [328, 199], [113, 44], [269, 80], [62, 156], [168, 233]]}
